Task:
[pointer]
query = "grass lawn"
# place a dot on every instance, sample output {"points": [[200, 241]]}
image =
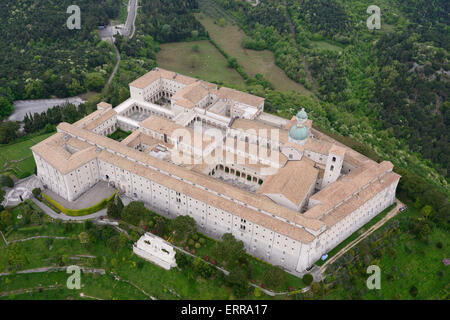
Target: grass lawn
{"points": [[119, 134], [326, 45], [230, 38], [409, 262], [356, 234], [173, 284], [99, 286], [17, 158], [207, 64]]}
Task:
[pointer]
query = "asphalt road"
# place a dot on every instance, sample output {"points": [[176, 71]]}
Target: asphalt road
{"points": [[22, 107]]}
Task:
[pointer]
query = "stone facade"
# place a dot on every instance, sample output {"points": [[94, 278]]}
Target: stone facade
{"points": [[316, 194]]}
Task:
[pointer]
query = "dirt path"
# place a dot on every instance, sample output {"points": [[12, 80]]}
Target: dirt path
{"points": [[29, 290]]}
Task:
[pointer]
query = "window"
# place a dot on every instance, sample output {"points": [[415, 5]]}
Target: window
{"points": [[334, 159], [331, 168]]}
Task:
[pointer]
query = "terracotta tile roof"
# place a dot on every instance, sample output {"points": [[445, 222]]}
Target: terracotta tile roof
{"points": [[103, 118], [239, 96], [293, 181], [54, 151], [159, 73], [257, 201]]}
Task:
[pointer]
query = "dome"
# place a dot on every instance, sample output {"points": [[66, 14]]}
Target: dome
{"points": [[298, 132], [302, 116]]}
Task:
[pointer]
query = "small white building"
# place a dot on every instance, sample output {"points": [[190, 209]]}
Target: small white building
{"points": [[156, 250]]}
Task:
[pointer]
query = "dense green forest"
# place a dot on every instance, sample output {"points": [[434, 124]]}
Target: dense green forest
{"points": [[394, 80], [169, 21], [40, 57]]}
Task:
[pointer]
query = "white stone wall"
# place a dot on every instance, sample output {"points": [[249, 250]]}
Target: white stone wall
{"points": [[332, 169], [50, 177]]}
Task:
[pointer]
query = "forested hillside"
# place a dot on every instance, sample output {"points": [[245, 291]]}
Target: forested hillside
{"points": [[169, 21], [41, 57], [394, 80]]}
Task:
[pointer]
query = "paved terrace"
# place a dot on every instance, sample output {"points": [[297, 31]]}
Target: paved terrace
{"points": [[91, 197]]}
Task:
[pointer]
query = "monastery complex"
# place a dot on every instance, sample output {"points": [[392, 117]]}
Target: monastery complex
{"points": [[289, 192]]}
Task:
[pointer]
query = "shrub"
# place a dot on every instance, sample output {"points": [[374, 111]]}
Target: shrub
{"points": [[197, 245], [191, 242], [274, 277], [307, 279], [24, 175], [36, 192], [439, 245], [6, 181], [182, 260], [195, 237], [413, 291], [202, 240]]}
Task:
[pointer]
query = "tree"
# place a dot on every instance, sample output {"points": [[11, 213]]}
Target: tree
{"points": [[112, 211], [307, 279], [2, 195], [6, 219], [229, 250], [413, 291], [134, 212], [8, 131], [195, 47], [274, 277], [6, 107], [36, 218], [239, 282], [119, 203], [160, 226], [222, 22], [426, 211], [123, 241], [202, 268], [194, 34], [36, 192], [94, 81], [6, 181], [183, 227], [182, 260], [113, 243]]}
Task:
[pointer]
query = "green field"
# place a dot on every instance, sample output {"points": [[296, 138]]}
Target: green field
{"points": [[207, 64], [119, 134], [230, 38], [326, 45], [155, 281], [17, 158]]}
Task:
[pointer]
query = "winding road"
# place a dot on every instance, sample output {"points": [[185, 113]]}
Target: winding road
{"points": [[129, 28]]}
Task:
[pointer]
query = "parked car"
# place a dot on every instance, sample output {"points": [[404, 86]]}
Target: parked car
{"points": [[403, 208]]}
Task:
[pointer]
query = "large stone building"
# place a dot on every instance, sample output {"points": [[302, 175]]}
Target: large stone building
{"points": [[289, 192]]}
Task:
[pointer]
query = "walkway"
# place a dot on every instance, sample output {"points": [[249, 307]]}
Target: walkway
{"points": [[62, 216], [37, 237], [53, 269]]}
